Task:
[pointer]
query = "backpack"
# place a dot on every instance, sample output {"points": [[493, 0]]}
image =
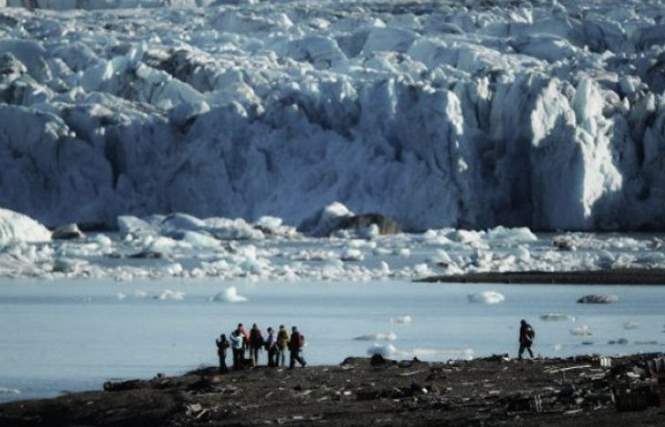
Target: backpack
{"points": [[301, 340], [530, 334]]}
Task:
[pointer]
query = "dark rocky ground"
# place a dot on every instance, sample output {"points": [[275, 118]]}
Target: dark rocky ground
{"points": [[491, 391], [626, 276]]}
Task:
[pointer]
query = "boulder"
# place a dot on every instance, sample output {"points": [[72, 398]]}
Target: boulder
{"points": [[358, 222], [67, 232]]}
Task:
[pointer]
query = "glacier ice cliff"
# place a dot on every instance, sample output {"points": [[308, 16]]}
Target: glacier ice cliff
{"points": [[546, 114]]}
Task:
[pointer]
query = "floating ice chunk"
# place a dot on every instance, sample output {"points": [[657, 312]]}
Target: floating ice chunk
{"points": [[598, 299], [631, 325], [486, 297], [180, 222], [401, 320], [229, 294], [68, 265], [103, 240], [168, 294], [232, 229], [121, 296], [422, 270], [352, 255], [200, 240], [403, 252], [521, 234], [16, 227], [385, 350], [389, 336], [140, 294], [128, 224], [555, 317], [558, 347], [581, 331]]}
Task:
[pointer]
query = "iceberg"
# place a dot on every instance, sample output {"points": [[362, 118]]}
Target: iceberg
{"points": [[16, 227], [486, 297], [229, 294]]}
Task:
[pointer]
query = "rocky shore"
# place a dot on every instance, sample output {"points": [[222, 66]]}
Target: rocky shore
{"points": [[624, 276], [492, 391]]}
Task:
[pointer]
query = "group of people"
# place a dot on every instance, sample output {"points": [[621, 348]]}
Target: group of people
{"points": [[244, 344], [246, 347]]}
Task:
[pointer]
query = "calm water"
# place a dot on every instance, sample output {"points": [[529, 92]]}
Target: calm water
{"points": [[74, 335]]}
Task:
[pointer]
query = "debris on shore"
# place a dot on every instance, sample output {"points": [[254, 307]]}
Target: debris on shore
{"points": [[495, 390]]}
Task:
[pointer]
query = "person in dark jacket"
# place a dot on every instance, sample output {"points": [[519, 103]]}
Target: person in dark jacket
{"points": [[527, 335], [271, 348], [255, 344], [296, 344], [222, 346]]}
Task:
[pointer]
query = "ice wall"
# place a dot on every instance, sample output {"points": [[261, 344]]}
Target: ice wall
{"points": [[542, 114]]}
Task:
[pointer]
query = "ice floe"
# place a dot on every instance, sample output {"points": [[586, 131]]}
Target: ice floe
{"points": [[486, 297], [582, 330], [401, 320], [229, 294], [556, 317], [388, 336]]}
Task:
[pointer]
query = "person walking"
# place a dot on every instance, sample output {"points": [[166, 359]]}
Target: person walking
{"points": [[222, 346], [296, 344], [527, 335], [271, 348], [282, 345], [255, 344], [238, 348]]}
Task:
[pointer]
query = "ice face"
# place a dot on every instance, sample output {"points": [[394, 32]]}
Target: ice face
{"points": [[537, 114]]}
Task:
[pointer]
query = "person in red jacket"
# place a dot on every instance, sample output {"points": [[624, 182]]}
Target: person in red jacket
{"points": [[296, 344]]}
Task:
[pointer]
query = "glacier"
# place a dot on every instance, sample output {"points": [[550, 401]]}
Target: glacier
{"points": [[547, 114]]}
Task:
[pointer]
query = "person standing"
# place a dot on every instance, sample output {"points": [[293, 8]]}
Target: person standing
{"points": [[238, 348], [255, 344], [245, 339], [282, 344], [296, 344], [271, 348], [527, 335], [222, 346]]}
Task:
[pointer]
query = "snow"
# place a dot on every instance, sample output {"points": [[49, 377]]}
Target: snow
{"points": [[546, 115]]}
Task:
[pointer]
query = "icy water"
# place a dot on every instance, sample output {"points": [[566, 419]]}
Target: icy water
{"points": [[74, 335]]}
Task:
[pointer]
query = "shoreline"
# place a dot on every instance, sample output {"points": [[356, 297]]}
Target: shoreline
{"points": [[496, 390], [628, 276]]}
